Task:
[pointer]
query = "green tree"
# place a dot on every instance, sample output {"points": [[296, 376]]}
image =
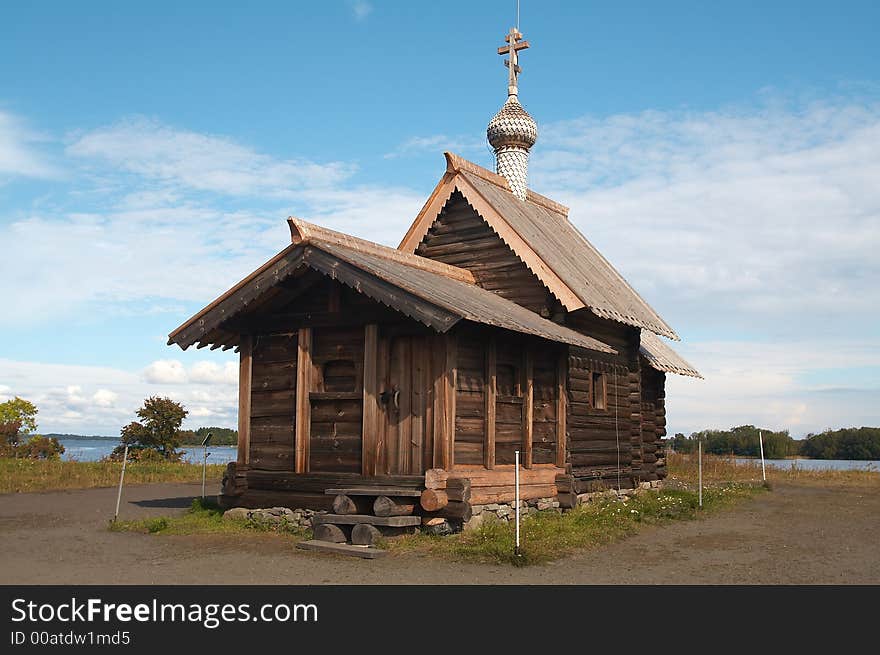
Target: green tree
{"points": [[21, 411], [158, 429]]}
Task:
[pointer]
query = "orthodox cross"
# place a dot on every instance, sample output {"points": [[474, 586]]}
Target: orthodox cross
{"points": [[514, 45]]}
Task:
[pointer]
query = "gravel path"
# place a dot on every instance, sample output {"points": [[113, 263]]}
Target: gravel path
{"points": [[796, 534]]}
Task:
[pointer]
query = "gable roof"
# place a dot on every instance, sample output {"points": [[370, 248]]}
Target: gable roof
{"points": [[436, 294], [539, 232], [663, 358]]}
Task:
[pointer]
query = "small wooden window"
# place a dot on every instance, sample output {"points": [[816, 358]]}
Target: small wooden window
{"points": [[507, 380], [340, 375], [600, 391]]}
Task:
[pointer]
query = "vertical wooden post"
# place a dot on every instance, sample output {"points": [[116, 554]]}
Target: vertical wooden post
{"points": [[490, 391], [561, 405], [438, 371], [451, 389], [383, 355], [303, 406], [418, 405], [245, 367], [370, 430], [528, 407]]}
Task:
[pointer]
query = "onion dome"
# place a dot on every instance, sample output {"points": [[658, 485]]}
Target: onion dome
{"points": [[512, 127]]}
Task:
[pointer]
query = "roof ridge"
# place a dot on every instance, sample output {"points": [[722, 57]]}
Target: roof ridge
{"points": [[458, 164], [303, 232]]}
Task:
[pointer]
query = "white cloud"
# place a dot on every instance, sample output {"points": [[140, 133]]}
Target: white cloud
{"points": [[435, 143], [758, 219], [20, 154], [361, 9], [187, 159], [150, 223], [100, 400], [105, 398], [213, 373], [172, 371], [165, 371], [780, 385]]}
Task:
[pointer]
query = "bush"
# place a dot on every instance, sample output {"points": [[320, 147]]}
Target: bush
{"points": [[37, 447], [158, 431]]}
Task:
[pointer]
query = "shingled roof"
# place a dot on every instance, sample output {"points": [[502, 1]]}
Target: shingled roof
{"points": [[538, 231], [663, 358], [436, 294]]}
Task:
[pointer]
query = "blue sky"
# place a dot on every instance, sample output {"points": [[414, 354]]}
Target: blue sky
{"points": [[724, 156]]}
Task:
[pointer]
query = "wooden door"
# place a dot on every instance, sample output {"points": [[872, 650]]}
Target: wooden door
{"points": [[404, 397]]}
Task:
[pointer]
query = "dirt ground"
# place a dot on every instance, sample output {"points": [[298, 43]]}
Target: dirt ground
{"points": [[795, 534]]}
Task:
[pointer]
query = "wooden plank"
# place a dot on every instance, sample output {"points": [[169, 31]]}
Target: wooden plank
{"points": [[303, 406], [491, 391], [369, 452], [528, 408], [561, 398], [393, 492], [244, 399], [364, 552], [353, 519]]}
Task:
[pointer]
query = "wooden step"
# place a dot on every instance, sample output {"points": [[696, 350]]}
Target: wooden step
{"points": [[365, 552], [375, 491], [353, 519]]}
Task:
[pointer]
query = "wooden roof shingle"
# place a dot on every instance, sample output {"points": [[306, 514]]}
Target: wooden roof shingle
{"points": [[663, 358], [436, 294], [539, 232]]}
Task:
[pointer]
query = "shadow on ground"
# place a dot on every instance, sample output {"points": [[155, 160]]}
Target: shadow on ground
{"points": [[180, 502]]}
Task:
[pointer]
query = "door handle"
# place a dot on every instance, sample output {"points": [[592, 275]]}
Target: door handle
{"points": [[397, 399]]}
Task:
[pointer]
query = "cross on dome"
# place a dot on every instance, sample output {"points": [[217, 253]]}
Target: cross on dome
{"points": [[514, 45]]}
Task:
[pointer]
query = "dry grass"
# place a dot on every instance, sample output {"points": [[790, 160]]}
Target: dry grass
{"points": [[683, 471], [24, 475]]}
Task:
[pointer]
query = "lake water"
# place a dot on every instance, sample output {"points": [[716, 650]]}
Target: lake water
{"points": [[816, 464], [91, 450]]}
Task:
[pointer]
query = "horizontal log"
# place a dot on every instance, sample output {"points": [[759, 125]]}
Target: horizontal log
{"points": [[436, 478], [364, 534], [257, 498], [343, 504], [501, 475], [319, 482], [387, 506], [433, 500], [354, 519], [507, 493], [454, 511], [329, 532]]}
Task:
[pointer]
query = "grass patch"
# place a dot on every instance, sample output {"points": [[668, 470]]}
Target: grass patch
{"points": [[683, 471], [24, 475], [203, 517], [547, 536]]}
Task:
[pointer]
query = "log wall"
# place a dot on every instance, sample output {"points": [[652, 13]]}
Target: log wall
{"points": [[273, 402], [462, 238], [604, 430], [653, 423]]}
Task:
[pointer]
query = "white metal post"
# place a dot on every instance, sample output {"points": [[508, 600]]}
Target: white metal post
{"points": [[121, 478], [761, 443], [516, 493], [204, 470], [700, 468]]}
